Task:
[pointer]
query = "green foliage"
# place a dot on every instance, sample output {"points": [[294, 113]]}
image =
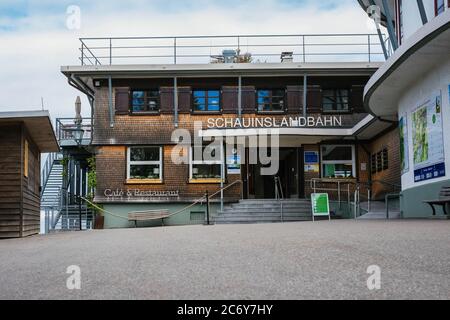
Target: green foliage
{"points": [[92, 182], [65, 164]]}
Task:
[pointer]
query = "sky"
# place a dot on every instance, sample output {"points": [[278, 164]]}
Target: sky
{"points": [[39, 36]]}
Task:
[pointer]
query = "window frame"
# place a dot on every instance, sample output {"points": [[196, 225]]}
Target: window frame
{"points": [[335, 91], [325, 162], [271, 91], [436, 7], [193, 162], [160, 163], [146, 101], [26, 159], [206, 111]]}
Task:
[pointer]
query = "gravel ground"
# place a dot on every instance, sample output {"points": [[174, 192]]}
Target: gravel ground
{"points": [[322, 260]]}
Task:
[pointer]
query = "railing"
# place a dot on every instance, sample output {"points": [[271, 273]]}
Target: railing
{"points": [[247, 48], [66, 131], [356, 192], [47, 169]]}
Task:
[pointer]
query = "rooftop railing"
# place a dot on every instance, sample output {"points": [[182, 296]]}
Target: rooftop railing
{"points": [[71, 134], [247, 48]]}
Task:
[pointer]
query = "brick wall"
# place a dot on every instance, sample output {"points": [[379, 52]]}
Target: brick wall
{"points": [[111, 174], [392, 175]]}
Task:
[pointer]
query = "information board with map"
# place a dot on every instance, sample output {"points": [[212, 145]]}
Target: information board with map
{"points": [[428, 140]]}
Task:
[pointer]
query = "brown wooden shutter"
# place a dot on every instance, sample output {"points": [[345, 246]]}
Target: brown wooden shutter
{"points": [[357, 99], [314, 99], [248, 100], [166, 100], [122, 101], [230, 100], [184, 100], [295, 99]]}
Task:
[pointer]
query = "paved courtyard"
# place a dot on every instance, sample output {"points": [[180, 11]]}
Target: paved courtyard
{"points": [[320, 260]]}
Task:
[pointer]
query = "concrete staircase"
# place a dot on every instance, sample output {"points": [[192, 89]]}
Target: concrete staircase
{"points": [[265, 211]]}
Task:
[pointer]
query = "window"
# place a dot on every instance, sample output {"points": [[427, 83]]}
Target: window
{"points": [[336, 100], [144, 163], [271, 100], [439, 6], [338, 161], [26, 159], [380, 161], [206, 164], [206, 100], [145, 101]]}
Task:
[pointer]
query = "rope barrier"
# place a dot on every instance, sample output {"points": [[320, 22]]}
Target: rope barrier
{"points": [[201, 200]]}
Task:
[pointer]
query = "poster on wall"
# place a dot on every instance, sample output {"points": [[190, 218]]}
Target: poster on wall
{"points": [[234, 164], [428, 140], [404, 144]]}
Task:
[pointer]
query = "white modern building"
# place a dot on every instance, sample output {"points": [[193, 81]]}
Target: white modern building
{"points": [[413, 87]]}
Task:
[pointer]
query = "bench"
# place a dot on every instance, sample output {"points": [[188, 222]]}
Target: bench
{"points": [[148, 216], [444, 199]]}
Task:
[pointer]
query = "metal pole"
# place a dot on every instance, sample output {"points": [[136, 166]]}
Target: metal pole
{"points": [[423, 13], [339, 194], [390, 25], [222, 177], [82, 53], [370, 53], [79, 213], [304, 49], [175, 50], [110, 51], [207, 208]]}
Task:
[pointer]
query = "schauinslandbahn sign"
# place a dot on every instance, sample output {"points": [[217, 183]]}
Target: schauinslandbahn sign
{"points": [[272, 122]]}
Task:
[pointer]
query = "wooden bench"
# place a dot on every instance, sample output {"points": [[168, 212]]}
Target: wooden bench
{"points": [[150, 215], [444, 199]]}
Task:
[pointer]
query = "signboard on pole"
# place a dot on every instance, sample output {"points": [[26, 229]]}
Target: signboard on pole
{"points": [[320, 205]]}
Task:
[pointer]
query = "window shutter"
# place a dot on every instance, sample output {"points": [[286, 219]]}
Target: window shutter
{"points": [[357, 99], [230, 100], [166, 100], [184, 100], [314, 99], [122, 101], [295, 99], [248, 100]]}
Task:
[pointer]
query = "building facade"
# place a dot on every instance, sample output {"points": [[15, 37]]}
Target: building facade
{"points": [[165, 135], [413, 87]]}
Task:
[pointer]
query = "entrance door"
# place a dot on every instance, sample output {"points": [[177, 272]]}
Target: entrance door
{"points": [[260, 186]]}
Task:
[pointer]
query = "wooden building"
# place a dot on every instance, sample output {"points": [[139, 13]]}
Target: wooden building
{"points": [[23, 137]]}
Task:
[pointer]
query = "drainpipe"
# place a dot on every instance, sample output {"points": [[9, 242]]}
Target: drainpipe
{"points": [[305, 94], [175, 101], [110, 103], [240, 98]]}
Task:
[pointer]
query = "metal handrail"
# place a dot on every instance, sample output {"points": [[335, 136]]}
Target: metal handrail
{"points": [[107, 50]]}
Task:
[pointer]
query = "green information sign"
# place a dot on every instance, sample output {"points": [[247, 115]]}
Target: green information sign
{"points": [[320, 205]]}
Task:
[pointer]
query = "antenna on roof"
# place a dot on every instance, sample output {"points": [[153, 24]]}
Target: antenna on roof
{"points": [[42, 103]]}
